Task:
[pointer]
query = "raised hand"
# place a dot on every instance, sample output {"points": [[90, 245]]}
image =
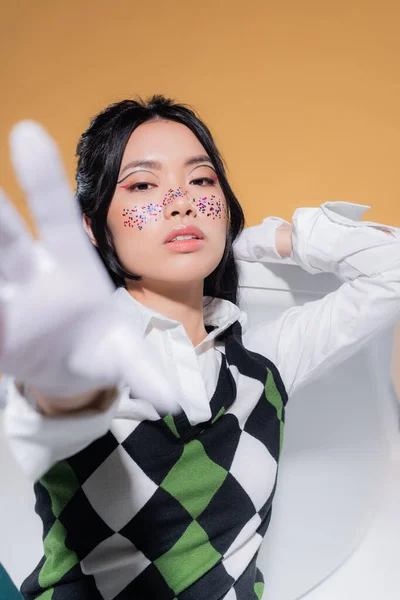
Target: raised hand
{"points": [[59, 329]]}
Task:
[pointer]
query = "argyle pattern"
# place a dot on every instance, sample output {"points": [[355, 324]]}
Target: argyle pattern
{"points": [[166, 510]]}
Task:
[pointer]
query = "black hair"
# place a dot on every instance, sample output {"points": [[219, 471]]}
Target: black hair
{"points": [[99, 152]]}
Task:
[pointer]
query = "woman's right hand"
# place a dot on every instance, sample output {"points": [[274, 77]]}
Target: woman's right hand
{"points": [[59, 330]]}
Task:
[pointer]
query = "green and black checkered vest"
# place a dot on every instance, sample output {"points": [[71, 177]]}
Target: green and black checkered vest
{"points": [[163, 510]]}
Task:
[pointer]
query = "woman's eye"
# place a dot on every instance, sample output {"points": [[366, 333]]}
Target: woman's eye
{"points": [[208, 181], [140, 187]]}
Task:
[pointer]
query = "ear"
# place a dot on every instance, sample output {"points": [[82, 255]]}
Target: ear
{"points": [[87, 227]]}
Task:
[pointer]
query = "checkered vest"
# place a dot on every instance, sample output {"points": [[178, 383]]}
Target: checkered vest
{"points": [[163, 510]]}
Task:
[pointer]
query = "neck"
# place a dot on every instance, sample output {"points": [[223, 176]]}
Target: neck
{"points": [[183, 303]]}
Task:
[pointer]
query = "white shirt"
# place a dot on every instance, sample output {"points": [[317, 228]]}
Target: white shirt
{"points": [[303, 342]]}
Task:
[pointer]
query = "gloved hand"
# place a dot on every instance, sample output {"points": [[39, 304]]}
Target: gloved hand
{"points": [[59, 329]]}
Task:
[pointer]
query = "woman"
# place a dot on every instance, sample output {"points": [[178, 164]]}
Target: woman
{"points": [[151, 419]]}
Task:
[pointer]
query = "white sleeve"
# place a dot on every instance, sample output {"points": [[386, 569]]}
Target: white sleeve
{"points": [[307, 340], [257, 243], [38, 441]]}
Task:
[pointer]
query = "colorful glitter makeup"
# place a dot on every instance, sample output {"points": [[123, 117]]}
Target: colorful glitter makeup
{"points": [[171, 195], [142, 215], [211, 207], [148, 214]]}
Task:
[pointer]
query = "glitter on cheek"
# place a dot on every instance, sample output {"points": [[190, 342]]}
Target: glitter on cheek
{"points": [[141, 215], [211, 207], [150, 213]]}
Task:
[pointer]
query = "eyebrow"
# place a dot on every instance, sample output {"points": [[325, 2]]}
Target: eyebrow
{"points": [[157, 166], [195, 160]]}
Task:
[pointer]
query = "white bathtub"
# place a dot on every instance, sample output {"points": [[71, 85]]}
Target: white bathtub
{"points": [[338, 438]]}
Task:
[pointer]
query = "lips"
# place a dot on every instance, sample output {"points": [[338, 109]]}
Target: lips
{"points": [[188, 230]]}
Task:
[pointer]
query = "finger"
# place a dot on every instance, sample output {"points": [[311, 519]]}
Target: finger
{"points": [[16, 256], [40, 173]]}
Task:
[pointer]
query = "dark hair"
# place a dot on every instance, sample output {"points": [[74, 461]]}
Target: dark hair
{"points": [[100, 150]]}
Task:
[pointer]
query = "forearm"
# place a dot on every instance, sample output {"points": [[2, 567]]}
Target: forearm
{"points": [[333, 239], [39, 441], [98, 400]]}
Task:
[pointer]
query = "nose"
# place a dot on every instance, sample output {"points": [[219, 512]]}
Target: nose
{"points": [[178, 203]]}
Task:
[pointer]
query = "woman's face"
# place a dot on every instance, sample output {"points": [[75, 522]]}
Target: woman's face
{"points": [[166, 182]]}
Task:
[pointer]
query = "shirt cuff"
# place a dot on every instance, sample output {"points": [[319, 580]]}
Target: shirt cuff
{"points": [[319, 234]]}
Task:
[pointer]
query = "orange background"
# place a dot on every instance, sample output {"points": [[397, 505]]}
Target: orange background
{"points": [[303, 97]]}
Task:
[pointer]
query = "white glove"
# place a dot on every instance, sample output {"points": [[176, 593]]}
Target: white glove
{"points": [[59, 328]]}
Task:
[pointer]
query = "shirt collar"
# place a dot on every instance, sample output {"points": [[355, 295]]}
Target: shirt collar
{"points": [[216, 312]]}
